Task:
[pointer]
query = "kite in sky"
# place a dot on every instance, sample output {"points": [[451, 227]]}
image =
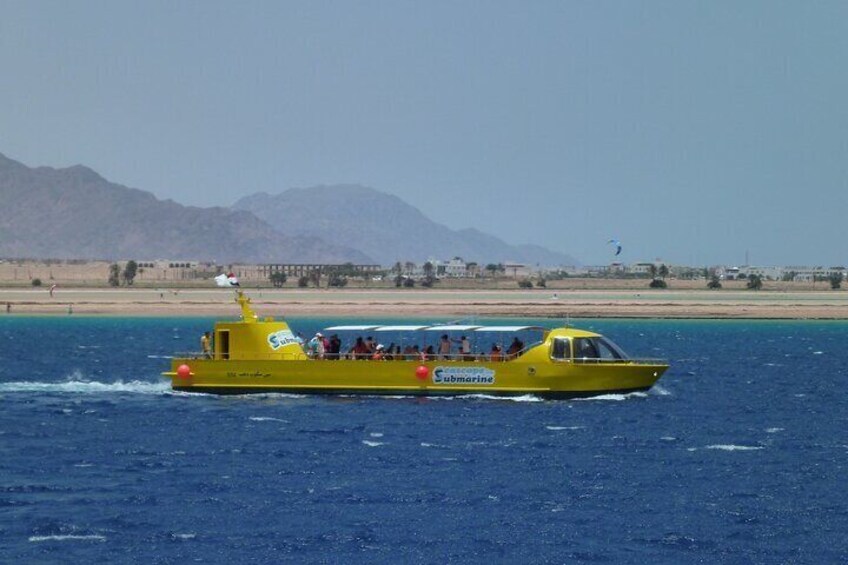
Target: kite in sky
{"points": [[617, 245]]}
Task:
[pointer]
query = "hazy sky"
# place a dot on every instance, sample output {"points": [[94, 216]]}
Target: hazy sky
{"points": [[691, 131]]}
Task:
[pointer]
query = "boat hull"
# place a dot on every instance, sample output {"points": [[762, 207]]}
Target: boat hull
{"points": [[566, 379]]}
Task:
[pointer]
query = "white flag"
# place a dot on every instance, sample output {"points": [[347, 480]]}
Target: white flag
{"points": [[227, 280]]}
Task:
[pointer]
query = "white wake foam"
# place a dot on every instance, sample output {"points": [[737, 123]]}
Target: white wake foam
{"points": [[68, 537], [523, 398], [267, 419], [615, 397], [89, 387], [731, 447]]}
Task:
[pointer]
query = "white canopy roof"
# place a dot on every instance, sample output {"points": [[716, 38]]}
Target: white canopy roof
{"points": [[451, 328], [447, 328], [508, 328]]}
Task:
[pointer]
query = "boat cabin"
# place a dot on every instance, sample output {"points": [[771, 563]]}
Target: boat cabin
{"points": [[585, 347]]}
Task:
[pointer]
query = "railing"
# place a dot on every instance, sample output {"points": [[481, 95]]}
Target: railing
{"points": [[597, 361], [452, 358]]}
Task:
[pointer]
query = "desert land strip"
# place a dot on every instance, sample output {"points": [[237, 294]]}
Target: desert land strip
{"points": [[423, 303]]}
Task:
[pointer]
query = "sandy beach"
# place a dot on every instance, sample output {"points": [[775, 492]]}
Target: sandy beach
{"points": [[599, 303]]}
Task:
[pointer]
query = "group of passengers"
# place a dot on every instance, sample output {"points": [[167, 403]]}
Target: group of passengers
{"points": [[320, 347]]}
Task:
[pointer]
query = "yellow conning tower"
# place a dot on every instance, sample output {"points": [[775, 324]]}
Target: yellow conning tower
{"points": [[251, 338]]}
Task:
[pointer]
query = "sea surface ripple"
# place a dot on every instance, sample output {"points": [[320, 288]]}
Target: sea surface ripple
{"points": [[738, 455]]}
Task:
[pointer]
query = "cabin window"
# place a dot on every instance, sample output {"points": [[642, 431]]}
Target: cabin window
{"points": [[608, 350], [561, 348], [585, 348], [597, 348]]}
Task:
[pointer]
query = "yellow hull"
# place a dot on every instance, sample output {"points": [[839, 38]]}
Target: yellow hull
{"points": [[255, 356], [510, 378]]}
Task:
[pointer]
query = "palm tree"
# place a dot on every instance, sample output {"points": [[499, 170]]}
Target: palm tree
{"points": [[114, 275], [655, 281], [429, 279], [130, 271]]}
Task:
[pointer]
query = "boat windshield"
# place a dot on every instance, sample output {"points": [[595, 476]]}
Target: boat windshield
{"points": [[597, 348]]}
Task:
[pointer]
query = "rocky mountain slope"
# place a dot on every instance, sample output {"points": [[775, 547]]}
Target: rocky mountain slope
{"points": [[384, 227], [76, 213]]}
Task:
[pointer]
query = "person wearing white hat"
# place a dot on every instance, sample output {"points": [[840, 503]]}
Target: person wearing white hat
{"points": [[315, 348]]}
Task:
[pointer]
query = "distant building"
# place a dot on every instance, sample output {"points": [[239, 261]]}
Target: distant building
{"points": [[765, 273], [642, 268], [304, 269], [456, 268]]}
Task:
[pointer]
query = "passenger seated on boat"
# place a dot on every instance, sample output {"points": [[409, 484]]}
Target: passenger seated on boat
{"points": [[335, 347], [370, 344], [379, 353], [428, 353], [515, 348], [390, 352], [496, 354], [360, 349]]}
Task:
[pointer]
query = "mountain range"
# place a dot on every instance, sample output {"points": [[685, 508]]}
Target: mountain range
{"points": [[74, 213]]}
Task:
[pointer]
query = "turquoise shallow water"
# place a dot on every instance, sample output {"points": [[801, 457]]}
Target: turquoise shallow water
{"points": [[739, 455]]}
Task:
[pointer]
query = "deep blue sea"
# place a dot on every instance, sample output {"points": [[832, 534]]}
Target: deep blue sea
{"points": [[739, 455]]}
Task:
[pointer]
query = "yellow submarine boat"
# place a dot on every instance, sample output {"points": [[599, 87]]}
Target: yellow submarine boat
{"points": [[260, 356]]}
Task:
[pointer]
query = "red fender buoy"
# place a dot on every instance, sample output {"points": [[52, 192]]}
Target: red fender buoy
{"points": [[184, 371], [421, 372]]}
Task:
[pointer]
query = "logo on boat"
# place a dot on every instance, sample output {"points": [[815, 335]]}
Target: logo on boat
{"points": [[281, 338], [463, 376]]}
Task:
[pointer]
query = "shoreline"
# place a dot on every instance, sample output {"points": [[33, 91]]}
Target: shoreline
{"points": [[668, 304]]}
